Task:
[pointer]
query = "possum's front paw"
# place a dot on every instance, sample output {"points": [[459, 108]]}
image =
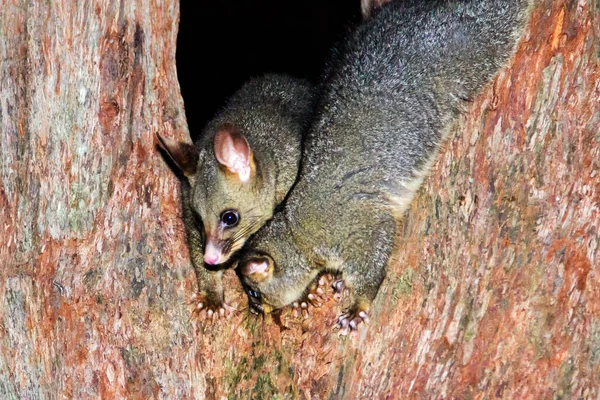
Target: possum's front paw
{"points": [[352, 317], [317, 296], [210, 307]]}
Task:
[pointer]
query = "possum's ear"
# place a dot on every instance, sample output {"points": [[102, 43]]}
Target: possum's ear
{"points": [[184, 155], [257, 270], [369, 7], [233, 152], [366, 7]]}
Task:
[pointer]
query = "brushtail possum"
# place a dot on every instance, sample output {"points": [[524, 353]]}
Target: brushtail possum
{"points": [[397, 84], [240, 169]]}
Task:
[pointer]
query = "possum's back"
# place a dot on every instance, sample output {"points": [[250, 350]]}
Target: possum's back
{"points": [[399, 81]]}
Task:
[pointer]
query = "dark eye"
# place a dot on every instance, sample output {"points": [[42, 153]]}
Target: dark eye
{"points": [[230, 218], [252, 293]]}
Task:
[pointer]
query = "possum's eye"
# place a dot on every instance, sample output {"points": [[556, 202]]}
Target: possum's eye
{"points": [[230, 218]]}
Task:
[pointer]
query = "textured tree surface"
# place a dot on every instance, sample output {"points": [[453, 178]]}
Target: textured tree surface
{"points": [[495, 287]]}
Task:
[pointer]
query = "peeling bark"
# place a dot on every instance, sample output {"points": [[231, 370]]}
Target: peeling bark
{"points": [[495, 287]]}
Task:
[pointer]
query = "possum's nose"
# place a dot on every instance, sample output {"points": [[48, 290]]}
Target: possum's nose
{"points": [[212, 254]]}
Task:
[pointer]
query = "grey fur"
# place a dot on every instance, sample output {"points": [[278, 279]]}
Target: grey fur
{"points": [[272, 112], [395, 88]]}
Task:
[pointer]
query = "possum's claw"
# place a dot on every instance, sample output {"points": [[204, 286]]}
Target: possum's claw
{"points": [[210, 309], [338, 287], [351, 319], [300, 308], [317, 296]]}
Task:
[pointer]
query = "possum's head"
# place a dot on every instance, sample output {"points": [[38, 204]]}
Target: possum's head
{"points": [[227, 190]]}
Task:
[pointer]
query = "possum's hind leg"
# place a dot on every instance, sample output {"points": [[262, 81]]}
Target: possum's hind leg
{"points": [[365, 273], [363, 290]]}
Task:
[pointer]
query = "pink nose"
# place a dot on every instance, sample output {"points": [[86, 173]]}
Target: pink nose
{"points": [[211, 259], [212, 255]]}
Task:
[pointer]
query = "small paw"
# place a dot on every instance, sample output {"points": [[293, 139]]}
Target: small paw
{"points": [[351, 319], [300, 308], [316, 297], [209, 309]]}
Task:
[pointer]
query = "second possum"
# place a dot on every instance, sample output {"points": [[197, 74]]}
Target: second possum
{"points": [[238, 172]]}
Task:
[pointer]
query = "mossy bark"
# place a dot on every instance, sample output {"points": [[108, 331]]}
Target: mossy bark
{"points": [[495, 287]]}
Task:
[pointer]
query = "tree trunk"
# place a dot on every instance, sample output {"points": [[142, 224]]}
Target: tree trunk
{"points": [[495, 287]]}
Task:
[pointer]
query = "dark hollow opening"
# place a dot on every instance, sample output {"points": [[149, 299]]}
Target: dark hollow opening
{"points": [[223, 43]]}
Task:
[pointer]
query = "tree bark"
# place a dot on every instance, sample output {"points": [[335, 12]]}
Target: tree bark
{"points": [[495, 287]]}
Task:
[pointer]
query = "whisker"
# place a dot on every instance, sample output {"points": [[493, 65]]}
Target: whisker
{"points": [[241, 234], [245, 234], [247, 229]]}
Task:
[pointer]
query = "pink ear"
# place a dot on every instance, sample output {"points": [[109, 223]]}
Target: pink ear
{"points": [[184, 155], [257, 270], [233, 152]]}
